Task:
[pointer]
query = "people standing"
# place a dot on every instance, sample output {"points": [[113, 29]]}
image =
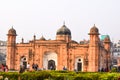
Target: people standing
{"points": [[6, 68], [22, 69], [28, 66], [64, 68], [51, 68], [35, 66], [3, 68]]}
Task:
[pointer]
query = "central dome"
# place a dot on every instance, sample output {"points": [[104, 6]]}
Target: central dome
{"points": [[63, 31]]}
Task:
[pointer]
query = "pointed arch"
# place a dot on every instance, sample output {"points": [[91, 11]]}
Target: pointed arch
{"points": [[23, 62]]}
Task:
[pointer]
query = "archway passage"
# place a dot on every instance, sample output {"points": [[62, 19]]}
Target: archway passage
{"points": [[23, 62], [50, 60], [51, 65]]}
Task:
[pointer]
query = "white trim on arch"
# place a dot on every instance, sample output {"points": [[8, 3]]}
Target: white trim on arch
{"points": [[49, 56], [23, 61]]}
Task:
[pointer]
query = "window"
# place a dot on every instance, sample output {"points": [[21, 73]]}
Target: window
{"points": [[79, 59], [24, 58]]}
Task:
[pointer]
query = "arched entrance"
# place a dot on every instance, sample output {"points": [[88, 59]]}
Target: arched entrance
{"points": [[50, 60], [51, 65], [78, 64], [23, 62]]}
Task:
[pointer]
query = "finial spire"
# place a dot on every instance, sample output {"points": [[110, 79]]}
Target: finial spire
{"points": [[64, 23], [34, 36], [22, 40], [12, 26]]}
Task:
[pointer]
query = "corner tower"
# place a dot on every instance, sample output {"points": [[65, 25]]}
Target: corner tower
{"points": [[11, 44], [63, 34], [107, 46], [93, 49]]}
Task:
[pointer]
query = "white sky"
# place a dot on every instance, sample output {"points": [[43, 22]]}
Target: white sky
{"points": [[45, 17]]}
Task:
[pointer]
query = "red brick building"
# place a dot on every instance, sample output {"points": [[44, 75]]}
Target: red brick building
{"points": [[90, 55]]}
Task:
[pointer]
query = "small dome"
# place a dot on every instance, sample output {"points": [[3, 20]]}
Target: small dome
{"points": [[42, 38], [107, 39], [63, 31], [72, 41], [94, 30], [12, 31]]}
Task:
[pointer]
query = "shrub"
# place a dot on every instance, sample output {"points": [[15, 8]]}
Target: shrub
{"points": [[10, 75], [114, 69], [82, 78], [38, 75], [59, 75]]}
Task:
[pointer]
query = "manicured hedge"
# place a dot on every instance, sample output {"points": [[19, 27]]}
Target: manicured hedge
{"points": [[10, 75], [59, 75]]}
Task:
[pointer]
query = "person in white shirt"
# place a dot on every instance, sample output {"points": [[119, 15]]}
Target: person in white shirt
{"points": [[28, 66]]}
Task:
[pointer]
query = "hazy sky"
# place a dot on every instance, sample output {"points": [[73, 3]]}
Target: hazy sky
{"points": [[45, 17]]}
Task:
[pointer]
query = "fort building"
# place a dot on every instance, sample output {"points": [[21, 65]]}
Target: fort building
{"points": [[89, 55]]}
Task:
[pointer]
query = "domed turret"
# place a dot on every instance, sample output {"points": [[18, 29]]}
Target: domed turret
{"points": [[94, 30], [12, 31], [42, 38], [107, 39], [107, 43], [63, 31]]}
